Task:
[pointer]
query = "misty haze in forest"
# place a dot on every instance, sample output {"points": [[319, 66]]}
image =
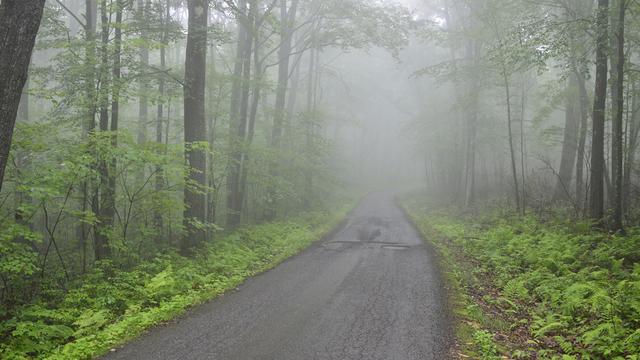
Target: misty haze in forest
{"points": [[444, 178]]}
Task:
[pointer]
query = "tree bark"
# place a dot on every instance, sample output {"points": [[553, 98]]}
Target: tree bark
{"points": [[599, 106], [258, 65], [159, 178], [287, 17], [109, 209], [236, 130], [514, 170], [570, 141], [102, 197], [195, 127], [143, 104], [617, 101], [89, 125], [19, 24], [471, 126], [632, 147], [581, 194]]}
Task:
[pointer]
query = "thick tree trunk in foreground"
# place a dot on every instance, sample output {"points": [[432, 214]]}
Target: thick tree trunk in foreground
{"points": [[599, 105], [195, 126], [19, 24]]}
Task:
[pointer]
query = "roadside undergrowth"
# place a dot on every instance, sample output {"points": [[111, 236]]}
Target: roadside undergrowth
{"points": [[110, 307], [524, 288]]}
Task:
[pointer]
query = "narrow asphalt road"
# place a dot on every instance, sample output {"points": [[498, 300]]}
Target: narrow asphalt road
{"points": [[371, 291]]}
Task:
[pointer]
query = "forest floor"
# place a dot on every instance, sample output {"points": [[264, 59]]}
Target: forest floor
{"points": [[371, 291]]}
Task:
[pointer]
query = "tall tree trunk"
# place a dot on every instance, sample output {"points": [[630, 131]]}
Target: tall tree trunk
{"points": [[215, 99], [89, 125], [195, 126], [599, 106], [512, 152], [244, 117], [523, 145], [617, 101], [235, 128], [109, 203], [632, 147], [102, 200], [143, 104], [19, 24], [159, 177], [287, 19], [582, 141], [258, 65], [472, 51], [570, 141]]}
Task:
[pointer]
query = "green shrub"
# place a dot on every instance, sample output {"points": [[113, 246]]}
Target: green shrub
{"points": [[574, 283]]}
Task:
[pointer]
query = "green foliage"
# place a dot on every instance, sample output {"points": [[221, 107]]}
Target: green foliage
{"points": [[484, 342], [108, 306], [580, 288]]}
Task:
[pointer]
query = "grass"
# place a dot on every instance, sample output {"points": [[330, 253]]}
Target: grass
{"points": [[528, 288], [109, 307]]}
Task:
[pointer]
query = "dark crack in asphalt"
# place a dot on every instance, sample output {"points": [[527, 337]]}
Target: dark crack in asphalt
{"points": [[372, 291]]}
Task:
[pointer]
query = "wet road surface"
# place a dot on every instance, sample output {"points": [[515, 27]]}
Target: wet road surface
{"points": [[371, 291]]}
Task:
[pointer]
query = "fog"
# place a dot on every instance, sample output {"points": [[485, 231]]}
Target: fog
{"points": [[422, 165], [303, 103]]}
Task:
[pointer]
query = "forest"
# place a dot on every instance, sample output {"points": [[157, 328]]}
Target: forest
{"points": [[320, 179]]}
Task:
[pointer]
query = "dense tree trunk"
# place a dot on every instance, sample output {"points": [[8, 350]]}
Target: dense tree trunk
{"points": [[580, 9], [570, 141], [102, 197], [109, 207], [287, 18], [523, 144], [143, 104], [600, 99], [472, 50], [310, 126], [581, 194], [19, 24], [632, 146], [514, 171], [236, 130], [258, 65], [617, 101], [89, 125], [159, 176], [195, 126]]}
